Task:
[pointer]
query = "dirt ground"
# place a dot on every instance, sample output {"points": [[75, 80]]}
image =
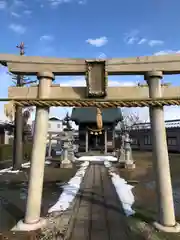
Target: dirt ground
{"points": [[13, 193], [144, 191], [145, 195]]}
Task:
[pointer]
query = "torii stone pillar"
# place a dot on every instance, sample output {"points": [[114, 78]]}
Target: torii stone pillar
{"points": [[32, 219], [166, 218], [50, 146], [105, 141], [87, 140]]}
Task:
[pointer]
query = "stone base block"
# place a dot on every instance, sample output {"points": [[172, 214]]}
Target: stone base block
{"points": [[169, 229], [66, 165], [130, 166], [22, 226], [121, 164]]}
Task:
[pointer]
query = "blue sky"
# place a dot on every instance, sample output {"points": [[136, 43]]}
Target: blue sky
{"points": [[88, 29]]}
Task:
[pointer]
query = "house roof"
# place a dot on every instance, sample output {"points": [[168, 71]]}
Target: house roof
{"points": [[54, 119], [88, 114]]}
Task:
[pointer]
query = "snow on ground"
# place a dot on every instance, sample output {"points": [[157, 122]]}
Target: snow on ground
{"points": [[24, 165], [97, 158], [107, 164], [124, 191], [70, 190]]}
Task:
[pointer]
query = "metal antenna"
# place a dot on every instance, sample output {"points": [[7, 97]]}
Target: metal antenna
{"points": [[21, 47], [24, 80]]}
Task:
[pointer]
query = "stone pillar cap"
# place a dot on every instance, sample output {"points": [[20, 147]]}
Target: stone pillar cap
{"points": [[45, 74], [153, 74]]}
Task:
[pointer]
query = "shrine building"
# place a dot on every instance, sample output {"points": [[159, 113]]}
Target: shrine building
{"points": [[92, 138]]}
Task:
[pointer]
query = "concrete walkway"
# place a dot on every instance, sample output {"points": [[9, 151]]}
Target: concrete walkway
{"points": [[98, 214]]}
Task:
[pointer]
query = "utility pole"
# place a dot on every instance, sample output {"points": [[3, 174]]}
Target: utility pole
{"points": [[18, 128]]}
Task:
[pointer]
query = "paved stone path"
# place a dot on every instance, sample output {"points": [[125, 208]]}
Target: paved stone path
{"points": [[98, 214]]}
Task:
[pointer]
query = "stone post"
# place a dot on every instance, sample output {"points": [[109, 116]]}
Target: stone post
{"points": [[65, 155], [50, 146], [66, 163], [166, 219], [105, 141], [6, 137], [113, 138], [33, 208], [87, 141], [18, 139], [129, 163]]}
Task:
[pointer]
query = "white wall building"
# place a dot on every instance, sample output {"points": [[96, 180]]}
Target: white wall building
{"points": [[55, 127]]}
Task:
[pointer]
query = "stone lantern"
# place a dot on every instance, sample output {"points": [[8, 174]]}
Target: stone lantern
{"points": [[129, 163], [67, 139]]}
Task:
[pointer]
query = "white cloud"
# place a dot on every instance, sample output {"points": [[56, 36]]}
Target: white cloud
{"points": [[27, 12], [165, 52], [142, 41], [153, 43], [102, 56], [80, 81], [3, 5], [46, 38], [19, 3], [97, 42], [55, 3], [82, 2], [14, 14], [17, 28], [133, 38]]}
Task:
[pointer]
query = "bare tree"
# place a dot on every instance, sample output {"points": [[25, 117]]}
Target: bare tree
{"points": [[27, 128], [20, 116], [132, 121]]}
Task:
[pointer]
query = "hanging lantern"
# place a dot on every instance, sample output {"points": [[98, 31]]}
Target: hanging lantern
{"points": [[100, 132], [91, 133], [96, 133]]}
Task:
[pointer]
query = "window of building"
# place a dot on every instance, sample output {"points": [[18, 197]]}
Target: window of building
{"points": [[58, 125], [147, 140], [172, 141]]}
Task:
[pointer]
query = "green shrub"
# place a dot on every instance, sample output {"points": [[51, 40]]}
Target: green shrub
{"points": [[6, 151]]}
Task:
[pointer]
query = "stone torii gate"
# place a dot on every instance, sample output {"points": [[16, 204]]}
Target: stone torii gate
{"points": [[98, 94]]}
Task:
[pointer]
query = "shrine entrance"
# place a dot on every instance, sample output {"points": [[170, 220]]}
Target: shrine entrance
{"points": [[96, 94], [91, 136], [96, 140]]}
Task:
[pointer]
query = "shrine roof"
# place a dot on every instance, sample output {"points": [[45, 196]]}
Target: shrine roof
{"points": [[88, 115]]}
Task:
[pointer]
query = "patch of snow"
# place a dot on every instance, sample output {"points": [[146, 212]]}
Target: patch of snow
{"points": [[47, 162], [6, 170], [124, 191], [70, 190], [107, 164], [97, 158], [85, 164], [24, 165]]}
